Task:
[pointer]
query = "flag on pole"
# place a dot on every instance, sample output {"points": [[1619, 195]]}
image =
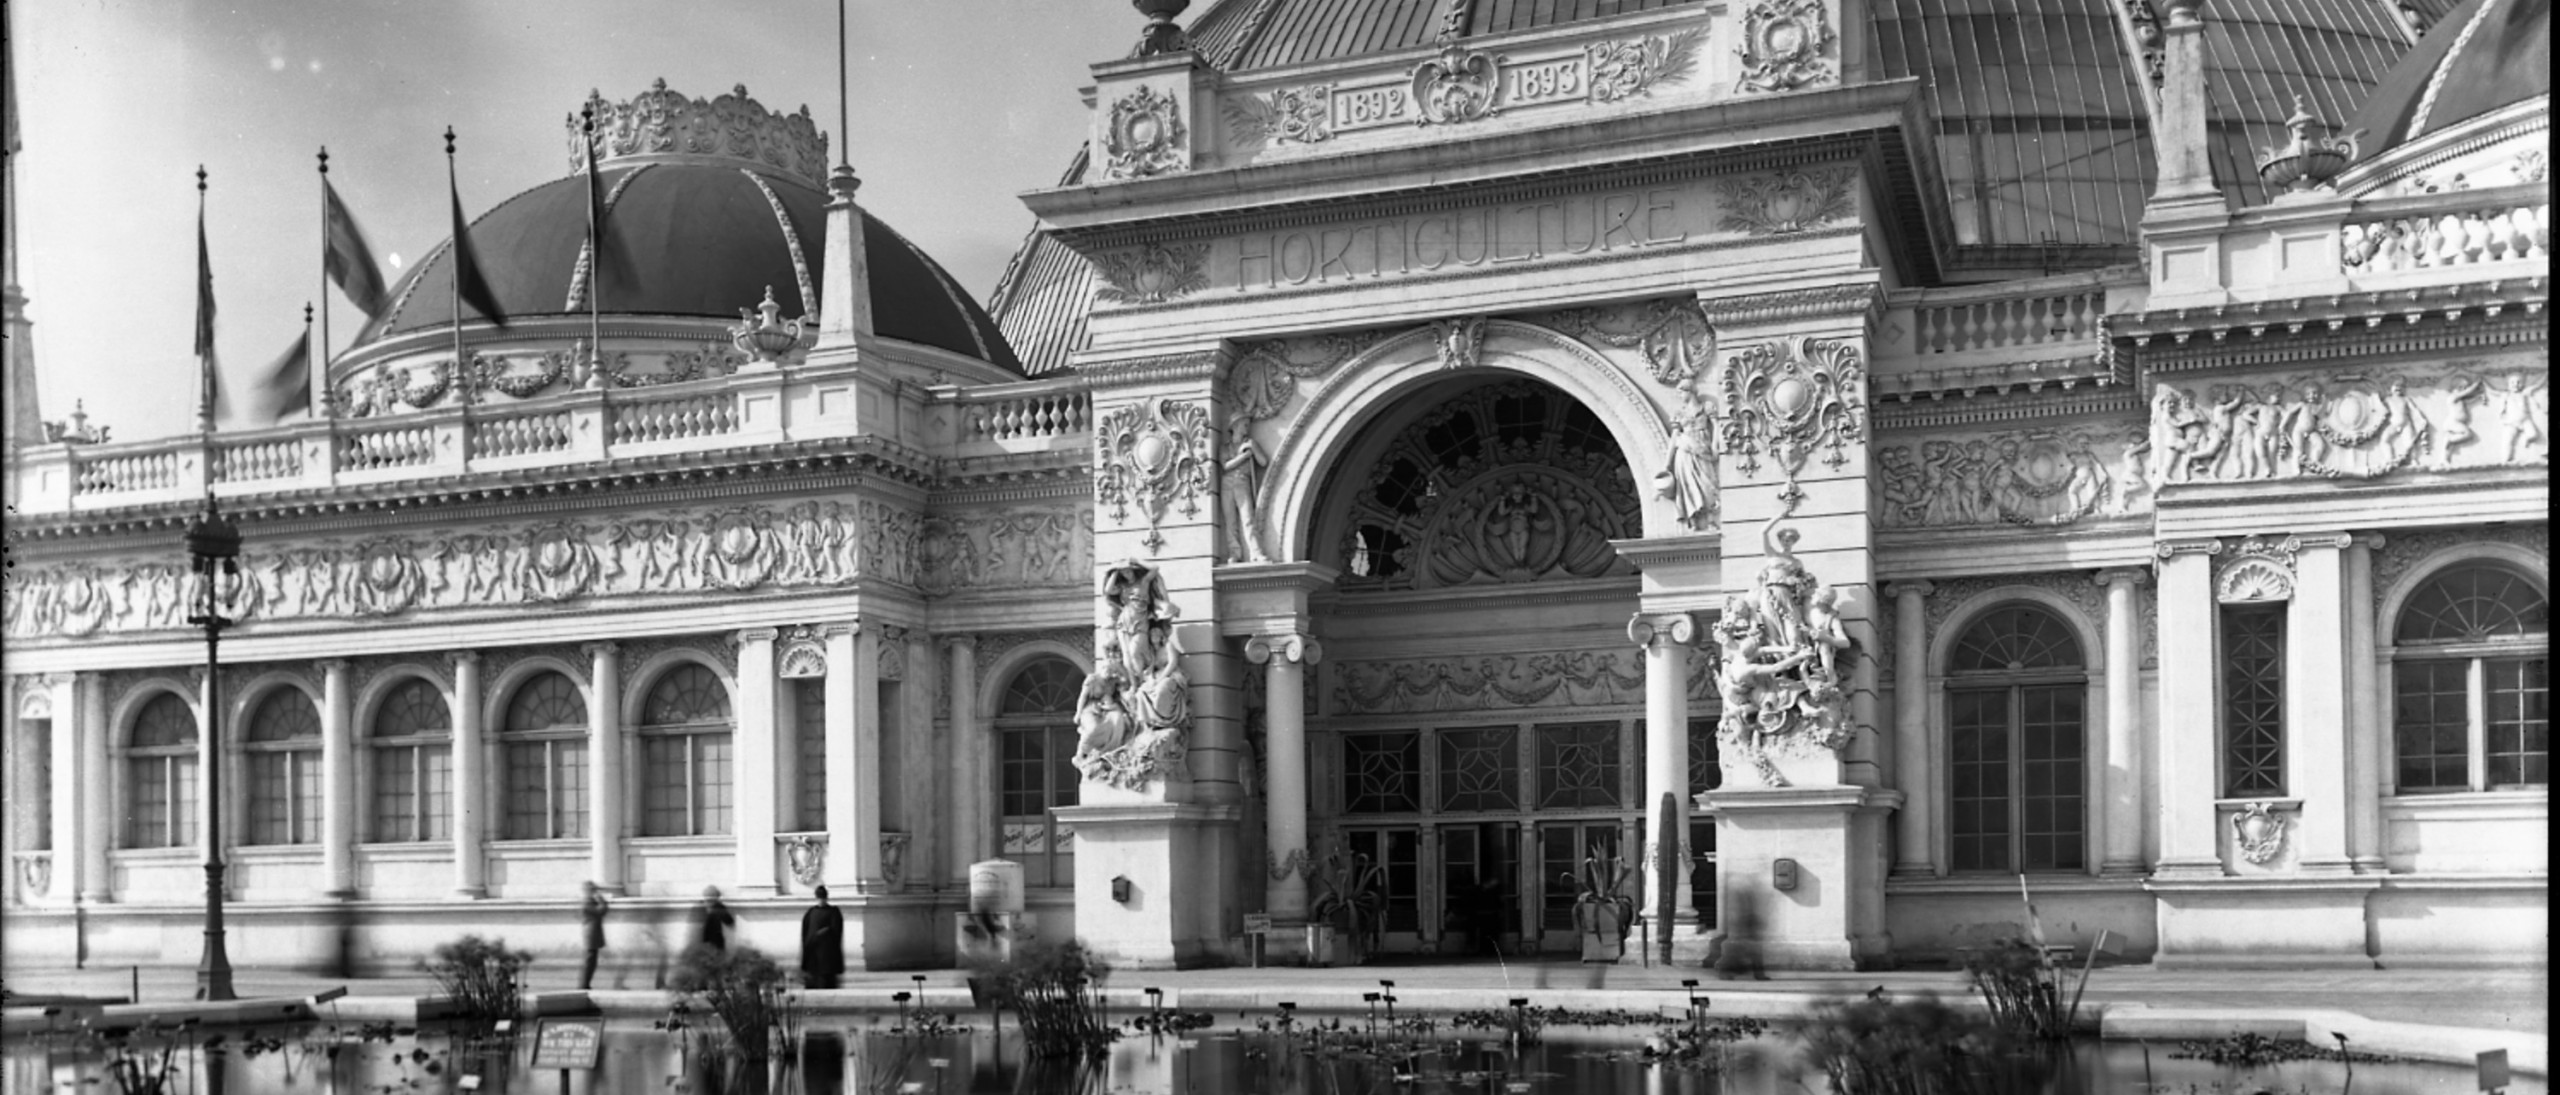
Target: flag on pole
{"points": [[346, 257], [210, 381], [285, 385], [469, 287]]}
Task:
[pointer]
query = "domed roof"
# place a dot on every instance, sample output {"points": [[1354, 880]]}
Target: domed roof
{"points": [[2484, 54], [691, 234], [1237, 35]]}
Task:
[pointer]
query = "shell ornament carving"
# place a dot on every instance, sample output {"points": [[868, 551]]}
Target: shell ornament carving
{"points": [[1784, 43], [1153, 455], [1146, 137], [1786, 400]]}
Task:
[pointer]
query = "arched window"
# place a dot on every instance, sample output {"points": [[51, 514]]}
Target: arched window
{"points": [[2471, 683], [160, 775], [1036, 748], [413, 765], [2016, 694], [685, 734], [283, 746], [544, 736]]}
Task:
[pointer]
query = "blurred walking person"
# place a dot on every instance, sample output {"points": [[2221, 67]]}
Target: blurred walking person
{"points": [[821, 944], [1743, 929], [713, 921], [591, 908]]}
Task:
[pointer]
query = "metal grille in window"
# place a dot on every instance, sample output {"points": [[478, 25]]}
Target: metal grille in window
{"points": [[1480, 769], [1578, 766], [2474, 604], [809, 723], [2252, 700], [1382, 773], [1706, 772], [2015, 637]]}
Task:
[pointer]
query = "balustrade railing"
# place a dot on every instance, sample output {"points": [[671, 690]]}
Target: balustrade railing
{"points": [[392, 447], [520, 435], [2017, 320], [709, 414], [123, 472], [1048, 414], [2464, 237], [254, 461]]}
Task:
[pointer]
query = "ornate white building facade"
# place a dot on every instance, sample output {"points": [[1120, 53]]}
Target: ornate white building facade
{"points": [[1868, 450]]}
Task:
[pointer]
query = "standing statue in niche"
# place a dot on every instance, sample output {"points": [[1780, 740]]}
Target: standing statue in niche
{"points": [[1240, 485], [1781, 646], [1133, 717], [1689, 479]]}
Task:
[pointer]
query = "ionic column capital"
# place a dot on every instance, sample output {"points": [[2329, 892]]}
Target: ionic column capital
{"points": [[601, 650], [2334, 541], [1645, 629], [964, 641], [753, 635], [840, 628], [331, 666], [2200, 545], [2113, 577], [1913, 587], [2371, 541], [463, 658], [1290, 646]]}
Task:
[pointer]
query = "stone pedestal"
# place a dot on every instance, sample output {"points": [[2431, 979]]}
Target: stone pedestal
{"points": [[1833, 918], [1168, 852]]}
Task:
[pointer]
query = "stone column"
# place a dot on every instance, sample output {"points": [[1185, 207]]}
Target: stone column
{"points": [[337, 779], [853, 757], [2366, 756], [1915, 854], [2316, 700], [2118, 790], [1285, 777], [88, 715], [2191, 745], [928, 755], [972, 772], [70, 843], [1665, 639], [604, 766], [470, 777], [757, 792]]}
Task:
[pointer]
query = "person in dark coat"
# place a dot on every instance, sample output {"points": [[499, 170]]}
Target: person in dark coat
{"points": [[714, 920], [591, 922], [821, 944]]}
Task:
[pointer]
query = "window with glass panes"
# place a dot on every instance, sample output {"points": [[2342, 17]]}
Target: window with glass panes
{"points": [[2253, 700], [686, 738], [809, 727], [1397, 853], [2471, 683], [2017, 692], [412, 764], [160, 775], [544, 738], [1035, 769], [1382, 773], [1706, 773], [282, 747]]}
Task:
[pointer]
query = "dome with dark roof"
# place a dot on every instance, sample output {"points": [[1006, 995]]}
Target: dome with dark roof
{"points": [[2482, 55], [693, 229]]}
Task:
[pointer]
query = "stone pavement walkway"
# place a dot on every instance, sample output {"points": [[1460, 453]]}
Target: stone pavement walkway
{"points": [[2514, 1001]]}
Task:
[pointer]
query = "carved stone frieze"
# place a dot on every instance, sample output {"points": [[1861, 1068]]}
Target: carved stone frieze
{"points": [[683, 551], [1786, 45], [1630, 67], [1146, 136], [1288, 115], [1154, 454], [2017, 477], [1674, 335], [735, 125], [1787, 202], [1864, 299], [2346, 426], [1050, 546], [1787, 399], [1152, 274], [1571, 678], [1266, 374]]}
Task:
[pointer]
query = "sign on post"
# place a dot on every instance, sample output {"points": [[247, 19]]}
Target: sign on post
{"points": [[567, 1043], [1257, 923], [2493, 1070]]}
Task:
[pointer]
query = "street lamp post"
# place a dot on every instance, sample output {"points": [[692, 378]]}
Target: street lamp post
{"points": [[213, 543]]}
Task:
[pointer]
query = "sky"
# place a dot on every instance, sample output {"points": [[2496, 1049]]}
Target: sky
{"points": [[957, 106]]}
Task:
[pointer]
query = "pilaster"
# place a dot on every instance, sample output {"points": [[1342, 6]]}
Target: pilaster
{"points": [[605, 790], [759, 790], [470, 778], [1915, 842], [62, 799], [97, 788], [972, 773], [2317, 700], [2367, 753], [853, 749], [2118, 819], [2190, 749]]}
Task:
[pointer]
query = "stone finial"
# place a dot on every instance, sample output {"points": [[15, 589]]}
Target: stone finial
{"points": [[2305, 162], [1161, 35]]}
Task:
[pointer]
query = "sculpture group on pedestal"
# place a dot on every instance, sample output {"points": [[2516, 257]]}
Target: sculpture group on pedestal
{"points": [[1781, 646], [1133, 717]]}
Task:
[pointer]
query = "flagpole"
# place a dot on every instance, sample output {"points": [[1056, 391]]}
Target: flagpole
{"points": [[204, 348], [595, 252], [453, 185], [320, 374]]}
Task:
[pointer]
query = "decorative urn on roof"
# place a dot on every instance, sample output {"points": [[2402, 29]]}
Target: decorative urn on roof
{"points": [[1161, 35], [2306, 162], [765, 336]]}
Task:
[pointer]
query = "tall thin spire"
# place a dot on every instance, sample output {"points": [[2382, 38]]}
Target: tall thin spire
{"points": [[25, 422]]}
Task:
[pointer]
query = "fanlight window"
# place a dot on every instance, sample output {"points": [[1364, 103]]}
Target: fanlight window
{"points": [[2470, 604], [160, 775], [283, 746], [413, 765], [2471, 683], [2015, 638], [686, 746], [1044, 687], [545, 735]]}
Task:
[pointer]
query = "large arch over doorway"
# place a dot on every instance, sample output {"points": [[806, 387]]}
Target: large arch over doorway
{"points": [[1340, 410]]}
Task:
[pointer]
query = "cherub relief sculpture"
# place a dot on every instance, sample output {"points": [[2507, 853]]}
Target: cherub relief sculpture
{"points": [[1133, 717], [1781, 646], [2342, 427]]}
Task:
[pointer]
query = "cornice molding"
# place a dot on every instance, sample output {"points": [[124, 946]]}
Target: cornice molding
{"points": [[1102, 376], [1864, 300], [2338, 325], [1992, 408]]}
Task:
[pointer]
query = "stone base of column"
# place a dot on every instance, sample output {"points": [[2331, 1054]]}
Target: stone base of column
{"points": [[2188, 870], [2122, 870], [1831, 838], [470, 893], [1165, 855]]}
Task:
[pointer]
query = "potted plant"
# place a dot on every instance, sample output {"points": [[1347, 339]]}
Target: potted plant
{"points": [[1602, 911], [1346, 917]]}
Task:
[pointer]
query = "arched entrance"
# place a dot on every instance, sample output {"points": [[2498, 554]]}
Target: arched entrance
{"points": [[1478, 727]]}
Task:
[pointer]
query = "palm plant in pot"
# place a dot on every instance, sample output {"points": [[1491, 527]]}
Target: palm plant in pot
{"points": [[1602, 909], [1349, 911]]}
